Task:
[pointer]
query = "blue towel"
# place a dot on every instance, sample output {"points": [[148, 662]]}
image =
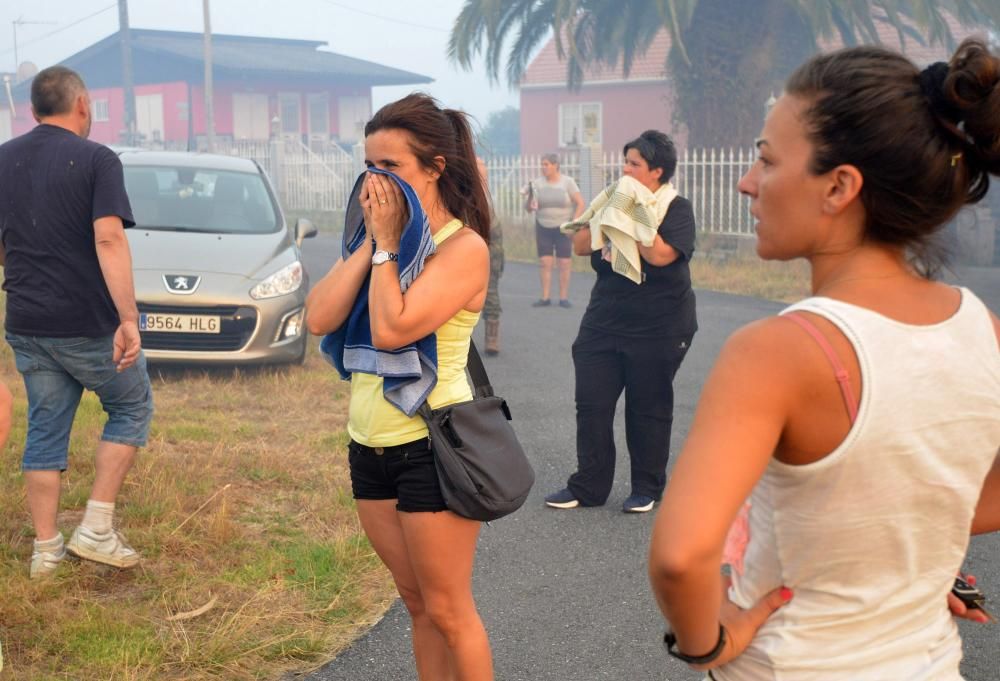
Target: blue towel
{"points": [[409, 373]]}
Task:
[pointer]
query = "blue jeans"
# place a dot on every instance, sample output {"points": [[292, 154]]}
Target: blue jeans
{"points": [[55, 373]]}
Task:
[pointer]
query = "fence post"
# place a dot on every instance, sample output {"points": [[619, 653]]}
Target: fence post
{"points": [[277, 149], [591, 180], [357, 162]]}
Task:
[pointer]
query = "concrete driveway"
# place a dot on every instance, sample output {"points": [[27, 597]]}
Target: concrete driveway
{"points": [[564, 594]]}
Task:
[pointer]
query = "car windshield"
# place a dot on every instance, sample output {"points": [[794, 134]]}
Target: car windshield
{"points": [[185, 199]]}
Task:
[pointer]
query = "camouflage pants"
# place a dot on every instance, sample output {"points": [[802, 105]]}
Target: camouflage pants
{"points": [[491, 309]]}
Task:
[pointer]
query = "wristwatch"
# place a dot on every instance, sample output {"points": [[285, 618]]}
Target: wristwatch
{"points": [[380, 257]]}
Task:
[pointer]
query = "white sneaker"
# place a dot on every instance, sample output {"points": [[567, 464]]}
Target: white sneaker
{"points": [[44, 563], [109, 548]]}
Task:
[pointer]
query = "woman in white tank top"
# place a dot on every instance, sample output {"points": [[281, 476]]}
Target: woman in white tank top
{"points": [[843, 445]]}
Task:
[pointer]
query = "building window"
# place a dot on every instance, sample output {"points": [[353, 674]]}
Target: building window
{"points": [[289, 112], [353, 111], [99, 110], [579, 123]]}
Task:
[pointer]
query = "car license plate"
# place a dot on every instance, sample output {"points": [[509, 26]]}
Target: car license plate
{"points": [[179, 323]]}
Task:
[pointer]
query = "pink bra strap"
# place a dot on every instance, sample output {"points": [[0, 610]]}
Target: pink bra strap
{"points": [[843, 379]]}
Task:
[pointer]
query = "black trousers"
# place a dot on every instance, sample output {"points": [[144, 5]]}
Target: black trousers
{"points": [[606, 364]]}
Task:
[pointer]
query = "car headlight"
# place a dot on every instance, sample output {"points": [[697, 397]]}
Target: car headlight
{"points": [[282, 282]]}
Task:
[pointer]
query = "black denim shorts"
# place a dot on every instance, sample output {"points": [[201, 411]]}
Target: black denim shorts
{"points": [[404, 472]]}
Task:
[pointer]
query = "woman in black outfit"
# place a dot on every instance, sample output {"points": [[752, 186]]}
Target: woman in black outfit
{"points": [[633, 337]]}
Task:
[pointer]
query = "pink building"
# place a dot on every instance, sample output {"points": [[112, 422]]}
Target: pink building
{"points": [[309, 94], [607, 111], [610, 109]]}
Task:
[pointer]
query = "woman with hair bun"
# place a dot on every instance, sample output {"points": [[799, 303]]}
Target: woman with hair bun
{"points": [[848, 446], [428, 549]]}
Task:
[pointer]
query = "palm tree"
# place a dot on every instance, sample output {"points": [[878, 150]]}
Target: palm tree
{"points": [[727, 55]]}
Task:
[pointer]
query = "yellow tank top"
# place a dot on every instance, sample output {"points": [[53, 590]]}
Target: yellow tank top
{"points": [[374, 422]]}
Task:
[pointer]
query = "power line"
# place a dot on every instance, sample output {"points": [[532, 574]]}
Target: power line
{"points": [[385, 18], [62, 28]]}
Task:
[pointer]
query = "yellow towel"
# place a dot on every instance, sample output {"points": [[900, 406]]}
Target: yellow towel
{"points": [[622, 216]]}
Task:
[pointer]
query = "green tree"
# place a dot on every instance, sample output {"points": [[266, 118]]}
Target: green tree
{"points": [[727, 55], [501, 136]]}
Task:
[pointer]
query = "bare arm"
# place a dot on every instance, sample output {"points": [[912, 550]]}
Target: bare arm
{"points": [[581, 242], [660, 253], [3, 257], [578, 205], [987, 518], [450, 281], [6, 413], [115, 259], [116, 265], [330, 301], [737, 426]]}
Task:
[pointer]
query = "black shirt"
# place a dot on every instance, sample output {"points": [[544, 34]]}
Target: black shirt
{"points": [[53, 186], [663, 305]]}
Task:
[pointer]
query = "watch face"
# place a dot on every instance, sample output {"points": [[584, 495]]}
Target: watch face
{"points": [[380, 257]]}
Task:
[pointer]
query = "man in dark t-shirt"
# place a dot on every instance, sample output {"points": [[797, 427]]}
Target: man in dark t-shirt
{"points": [[633, 338], [71, 313]]}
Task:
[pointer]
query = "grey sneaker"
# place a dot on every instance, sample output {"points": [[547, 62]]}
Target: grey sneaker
{"points": [[44, 563], [109, 548]]}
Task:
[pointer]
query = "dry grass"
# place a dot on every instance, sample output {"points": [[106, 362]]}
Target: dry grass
{"points": [[242, 497], [728, 272], [748, 275]]}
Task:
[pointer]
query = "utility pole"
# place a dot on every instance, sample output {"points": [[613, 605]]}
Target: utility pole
{"points": [[209, 108], [127, 84]]}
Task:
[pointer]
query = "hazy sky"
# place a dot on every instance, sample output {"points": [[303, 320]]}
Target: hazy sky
{"points": [[407, 34]]}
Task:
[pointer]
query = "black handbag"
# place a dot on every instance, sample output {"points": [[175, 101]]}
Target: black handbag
{"points": [[483, 470]]}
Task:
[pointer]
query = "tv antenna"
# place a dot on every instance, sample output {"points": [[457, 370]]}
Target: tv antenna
{"points": [[21, 21]]}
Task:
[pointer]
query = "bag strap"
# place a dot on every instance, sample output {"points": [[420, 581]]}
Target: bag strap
{"points": [[480, 380], [477, 370]]}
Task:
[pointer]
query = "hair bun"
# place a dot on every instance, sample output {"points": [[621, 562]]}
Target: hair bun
{"points": [[973, 88], [932, 85]]}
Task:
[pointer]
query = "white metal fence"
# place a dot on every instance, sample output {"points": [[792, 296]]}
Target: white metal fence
{"points": [[707, 177], [321, 180], [306, 179]]}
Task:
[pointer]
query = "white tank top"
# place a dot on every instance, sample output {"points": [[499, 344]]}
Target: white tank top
{"points": [[870, 537]]}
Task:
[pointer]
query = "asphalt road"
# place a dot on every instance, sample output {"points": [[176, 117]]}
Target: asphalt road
{"points": [[564, 594]]}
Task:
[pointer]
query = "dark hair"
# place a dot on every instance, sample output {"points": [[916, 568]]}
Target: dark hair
{"points": [[54, 89], [441, 132], [925, 142], [552, 158], [657, 150]]}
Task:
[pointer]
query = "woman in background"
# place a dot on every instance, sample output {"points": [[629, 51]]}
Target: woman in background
{"points": [[554, 198]]}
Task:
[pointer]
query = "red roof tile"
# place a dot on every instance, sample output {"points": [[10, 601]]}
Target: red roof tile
{"points": [[547, 69]]}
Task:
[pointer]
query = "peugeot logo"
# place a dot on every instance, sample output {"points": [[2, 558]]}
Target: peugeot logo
{"points": [[181, 284]]}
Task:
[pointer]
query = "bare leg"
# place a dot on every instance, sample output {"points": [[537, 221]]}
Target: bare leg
{"points": [[442, 548], [113, 462], [545, 271], [43, 501], [381, 522], [565, 266]]}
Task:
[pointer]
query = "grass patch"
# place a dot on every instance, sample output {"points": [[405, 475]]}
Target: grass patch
{"points": [[242, 497], [727, 271]]}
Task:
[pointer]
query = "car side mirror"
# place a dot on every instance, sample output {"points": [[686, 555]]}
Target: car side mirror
{"points": [[304, 229]]}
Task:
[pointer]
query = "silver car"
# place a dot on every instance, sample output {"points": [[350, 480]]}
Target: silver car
{"points": [[219, 277]]}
